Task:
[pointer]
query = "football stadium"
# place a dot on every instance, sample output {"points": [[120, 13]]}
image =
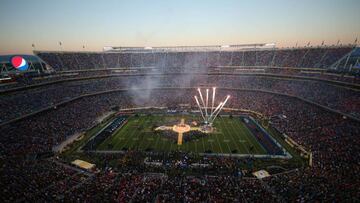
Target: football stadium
{"points": [[241, 122]]}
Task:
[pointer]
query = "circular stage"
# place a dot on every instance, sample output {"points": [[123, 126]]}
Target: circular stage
{"points": [[181, 128]]}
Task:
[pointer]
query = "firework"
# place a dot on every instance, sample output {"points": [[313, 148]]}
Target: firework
{"points": [[214, 112]]}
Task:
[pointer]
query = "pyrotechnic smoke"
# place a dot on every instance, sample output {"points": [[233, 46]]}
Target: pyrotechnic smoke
{"points": [[164, 63]]}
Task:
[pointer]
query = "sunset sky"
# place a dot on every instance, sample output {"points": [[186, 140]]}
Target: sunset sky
{"points": [[96, 23]]}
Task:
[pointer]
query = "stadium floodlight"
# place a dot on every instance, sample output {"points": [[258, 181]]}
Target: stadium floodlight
{"points": [[209, 113]]}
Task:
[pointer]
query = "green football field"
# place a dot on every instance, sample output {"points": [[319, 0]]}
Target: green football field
{"points": [[231, 136]]}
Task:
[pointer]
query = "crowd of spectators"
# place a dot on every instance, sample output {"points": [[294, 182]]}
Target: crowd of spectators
{"points": [[332, 138], [307, 57], [35, 180], [17, 104], [279, 61]]}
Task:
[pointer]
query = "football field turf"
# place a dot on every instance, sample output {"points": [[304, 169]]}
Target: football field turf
{"points": [[231, 136]]}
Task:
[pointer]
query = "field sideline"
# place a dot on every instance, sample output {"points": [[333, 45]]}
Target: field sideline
{"points": [[231, 136]]}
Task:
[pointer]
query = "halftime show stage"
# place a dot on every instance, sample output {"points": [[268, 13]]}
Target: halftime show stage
{"points": [[208, 114]]}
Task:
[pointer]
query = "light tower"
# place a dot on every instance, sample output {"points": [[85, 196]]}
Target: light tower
{"points": [[209, 114]]}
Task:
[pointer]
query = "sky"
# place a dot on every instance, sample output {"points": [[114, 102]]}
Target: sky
{"points": [[98, 23]]}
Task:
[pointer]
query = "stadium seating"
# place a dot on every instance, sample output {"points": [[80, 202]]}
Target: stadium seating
{"points": [[320, 115], [307, 57]]}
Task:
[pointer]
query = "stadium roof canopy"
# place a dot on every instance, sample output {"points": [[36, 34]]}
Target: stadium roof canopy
{"points": [[190, 48]]}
